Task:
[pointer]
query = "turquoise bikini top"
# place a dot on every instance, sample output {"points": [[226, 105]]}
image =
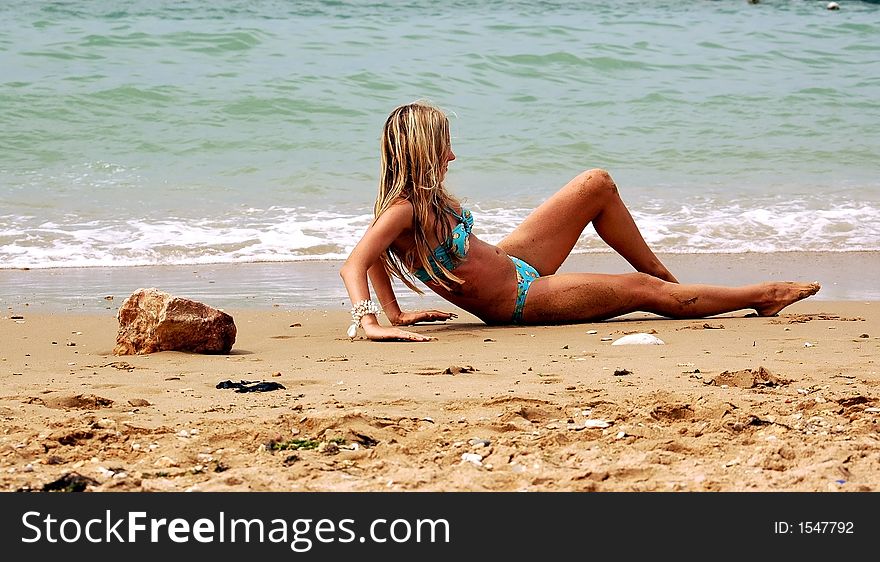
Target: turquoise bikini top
{"points": [[457, 242]]}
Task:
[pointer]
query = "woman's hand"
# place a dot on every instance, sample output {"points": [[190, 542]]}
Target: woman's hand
{"points": [[410, 318], [376, 332]]}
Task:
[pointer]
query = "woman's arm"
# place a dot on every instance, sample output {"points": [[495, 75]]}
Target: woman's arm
{"points": [[365, 256], [385, 293]]}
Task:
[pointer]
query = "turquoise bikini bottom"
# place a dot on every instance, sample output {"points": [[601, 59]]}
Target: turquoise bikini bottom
{"points": [[525, 274]]}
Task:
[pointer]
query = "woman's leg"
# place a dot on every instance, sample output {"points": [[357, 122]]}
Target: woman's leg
{"points": [[584, 297], [545, 238]]}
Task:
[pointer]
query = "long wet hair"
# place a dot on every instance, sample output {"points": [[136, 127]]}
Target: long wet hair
{"points": [[414, 146]]}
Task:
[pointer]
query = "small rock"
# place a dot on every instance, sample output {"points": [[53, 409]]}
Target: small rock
{"points": [[165, 462], [596, 424], [456, 369], [105, 423], [833, 6], [472, 458]]}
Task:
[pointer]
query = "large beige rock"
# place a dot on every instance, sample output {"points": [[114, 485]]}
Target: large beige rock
{"points": [[151, 320]]}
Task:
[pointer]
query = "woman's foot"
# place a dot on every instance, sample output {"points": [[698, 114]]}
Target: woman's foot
{"points": [[780, 295]]}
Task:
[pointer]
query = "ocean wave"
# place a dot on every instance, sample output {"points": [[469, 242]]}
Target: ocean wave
{"points": [[295, 234]]}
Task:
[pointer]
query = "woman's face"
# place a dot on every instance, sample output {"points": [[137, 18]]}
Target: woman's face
{"points": [[450, 156]]}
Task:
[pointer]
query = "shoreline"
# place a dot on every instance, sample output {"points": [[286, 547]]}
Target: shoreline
{"points": [[305, 285], [546, 408]]}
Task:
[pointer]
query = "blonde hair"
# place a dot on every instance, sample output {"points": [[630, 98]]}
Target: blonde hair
{"points": [[414, 147]]}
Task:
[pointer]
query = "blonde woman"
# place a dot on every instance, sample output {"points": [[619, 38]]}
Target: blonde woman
{"points": [[421, 230]]}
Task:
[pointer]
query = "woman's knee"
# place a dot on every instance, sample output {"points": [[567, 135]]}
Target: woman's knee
{"points": [[645, 289], [596, 183], [644, 282]]}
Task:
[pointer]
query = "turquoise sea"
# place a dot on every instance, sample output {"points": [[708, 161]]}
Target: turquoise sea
{"points": [[152, 132]]}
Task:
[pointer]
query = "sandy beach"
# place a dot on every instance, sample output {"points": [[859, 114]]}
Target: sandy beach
{"points": [[731, 403], [230, 153]]}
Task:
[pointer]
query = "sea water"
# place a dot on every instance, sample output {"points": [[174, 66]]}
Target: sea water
{"points": [[156, 132]]}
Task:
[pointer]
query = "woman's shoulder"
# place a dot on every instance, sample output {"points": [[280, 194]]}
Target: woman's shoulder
{"points": [[400, 211], [401, 205]]}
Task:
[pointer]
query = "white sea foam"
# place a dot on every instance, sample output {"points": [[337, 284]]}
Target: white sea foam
{"points": [[292, 234], [730, 228]]}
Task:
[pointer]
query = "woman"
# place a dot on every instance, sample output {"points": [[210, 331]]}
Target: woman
{"points": [[420, 229]]}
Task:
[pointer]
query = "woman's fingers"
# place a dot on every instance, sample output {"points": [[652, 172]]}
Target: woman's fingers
{"points": [[438, 315], [409, 318], [380, 333]]}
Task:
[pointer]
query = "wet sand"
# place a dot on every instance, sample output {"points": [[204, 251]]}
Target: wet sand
{"points": [[315, 285]]}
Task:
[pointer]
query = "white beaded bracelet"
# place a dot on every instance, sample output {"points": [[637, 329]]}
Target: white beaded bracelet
{"points": [[358, 311]]}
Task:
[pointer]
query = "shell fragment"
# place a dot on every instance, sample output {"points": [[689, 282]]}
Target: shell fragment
{"points": [[638, 339]]}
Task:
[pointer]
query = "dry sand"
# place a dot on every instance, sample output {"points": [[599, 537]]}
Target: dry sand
{"points": [[731, 403]]}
